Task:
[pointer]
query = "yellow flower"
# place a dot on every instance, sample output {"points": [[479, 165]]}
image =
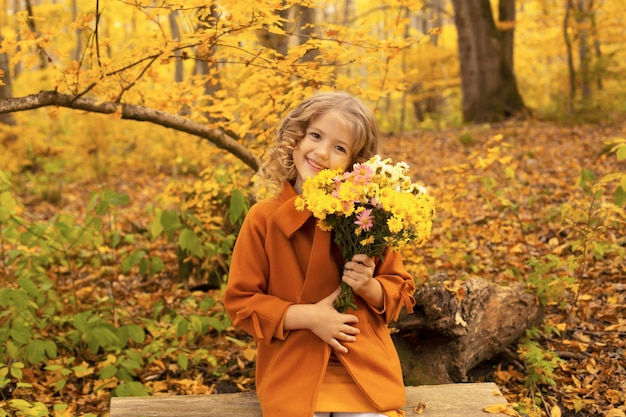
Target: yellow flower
{"points": [[323, 226], [300, 203], [394, 224]]}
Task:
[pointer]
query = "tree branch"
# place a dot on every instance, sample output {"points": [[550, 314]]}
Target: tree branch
{"points": [[131, 112]]}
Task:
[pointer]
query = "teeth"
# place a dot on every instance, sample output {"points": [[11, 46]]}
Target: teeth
{"points": [[315, 165]]}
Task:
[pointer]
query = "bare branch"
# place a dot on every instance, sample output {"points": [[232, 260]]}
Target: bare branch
{"points": [[131, 112]]}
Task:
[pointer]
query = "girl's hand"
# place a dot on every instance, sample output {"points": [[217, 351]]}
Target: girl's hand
{"points": [[331, 326], [358, 273]]}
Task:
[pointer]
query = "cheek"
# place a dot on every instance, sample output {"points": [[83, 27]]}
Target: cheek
{"points": [[350, 160], [342, 163]]}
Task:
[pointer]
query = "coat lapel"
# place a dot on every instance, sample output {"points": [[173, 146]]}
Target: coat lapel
{"points": [[288, 219], [322, 275]]}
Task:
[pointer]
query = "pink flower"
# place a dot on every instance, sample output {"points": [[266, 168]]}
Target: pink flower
{"points": [[361, 174], [364, 220]]}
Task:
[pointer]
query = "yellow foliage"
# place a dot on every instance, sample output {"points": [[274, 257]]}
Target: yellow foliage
{"points": [[233, 82], [135, 58]]}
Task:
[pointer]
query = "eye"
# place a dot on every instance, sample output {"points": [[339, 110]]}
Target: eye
{"points": [[315, 135], [341, 149]]}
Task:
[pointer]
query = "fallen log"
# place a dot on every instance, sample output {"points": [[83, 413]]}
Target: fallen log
{"points": [[453, 400], [457, 325]]}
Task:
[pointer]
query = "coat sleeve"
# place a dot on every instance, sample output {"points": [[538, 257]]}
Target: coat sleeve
{"points": [[398, 286], [245, 298]]}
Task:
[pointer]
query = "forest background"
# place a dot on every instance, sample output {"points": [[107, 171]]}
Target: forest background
{"points": [[116, 234]]}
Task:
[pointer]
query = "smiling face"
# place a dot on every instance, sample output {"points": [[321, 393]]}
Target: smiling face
{"points": [[327, 144]]}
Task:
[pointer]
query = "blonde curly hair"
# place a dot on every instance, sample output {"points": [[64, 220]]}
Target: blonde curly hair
{"points": [[278, 165]]}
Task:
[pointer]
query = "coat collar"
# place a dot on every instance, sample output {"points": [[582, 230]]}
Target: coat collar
{"points": [[288, 219]]}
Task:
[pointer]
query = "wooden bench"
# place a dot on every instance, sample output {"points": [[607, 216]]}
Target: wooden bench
{"points": [[449, 400]]}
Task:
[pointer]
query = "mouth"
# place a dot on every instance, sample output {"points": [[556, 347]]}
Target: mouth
{"points": [[314, 165]]}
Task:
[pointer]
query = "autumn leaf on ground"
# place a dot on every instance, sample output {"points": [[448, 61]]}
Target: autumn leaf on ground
{"points": [[501, 409], [419, 408], [556, 411]]}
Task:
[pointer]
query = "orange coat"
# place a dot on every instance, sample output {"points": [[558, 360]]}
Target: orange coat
{"points": [[281, 258]]}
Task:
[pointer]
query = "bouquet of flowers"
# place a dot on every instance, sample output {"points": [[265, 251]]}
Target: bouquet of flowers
{"points": [[373, 208]]}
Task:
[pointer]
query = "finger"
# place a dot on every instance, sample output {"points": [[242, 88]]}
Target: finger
{"points": [[339, 347], [352, 266], [355, 283], [345, 337], [362, 259], [332, 296], [355, 278], [349, 318], [359, 257], [360, 267], [351, 331], [354, 271]]}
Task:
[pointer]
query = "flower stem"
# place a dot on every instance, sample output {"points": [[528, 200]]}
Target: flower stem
{"points": [[345, 300]]}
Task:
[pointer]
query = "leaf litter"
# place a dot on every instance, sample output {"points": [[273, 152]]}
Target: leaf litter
{"points": [[470, 238]]}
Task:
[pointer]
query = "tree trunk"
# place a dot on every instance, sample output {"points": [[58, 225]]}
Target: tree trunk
{"points": [[596, 47], [43, 57], [570, 58], [205, 53], [179, 75], [78, 49], [275, 41], [452, 330], [6, 91], [425, 99], [584, 55], [488, 84], [506, 16], [205, 61], [304, 20]]}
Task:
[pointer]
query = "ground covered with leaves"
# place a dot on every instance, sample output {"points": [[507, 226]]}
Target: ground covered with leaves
{"points": [[516, 202], [535, 217]]}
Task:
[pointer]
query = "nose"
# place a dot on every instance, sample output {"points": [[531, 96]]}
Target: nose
{"points": [[322, 151]]}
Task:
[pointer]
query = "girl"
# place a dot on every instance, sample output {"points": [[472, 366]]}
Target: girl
{"points": [[313, 361]]}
